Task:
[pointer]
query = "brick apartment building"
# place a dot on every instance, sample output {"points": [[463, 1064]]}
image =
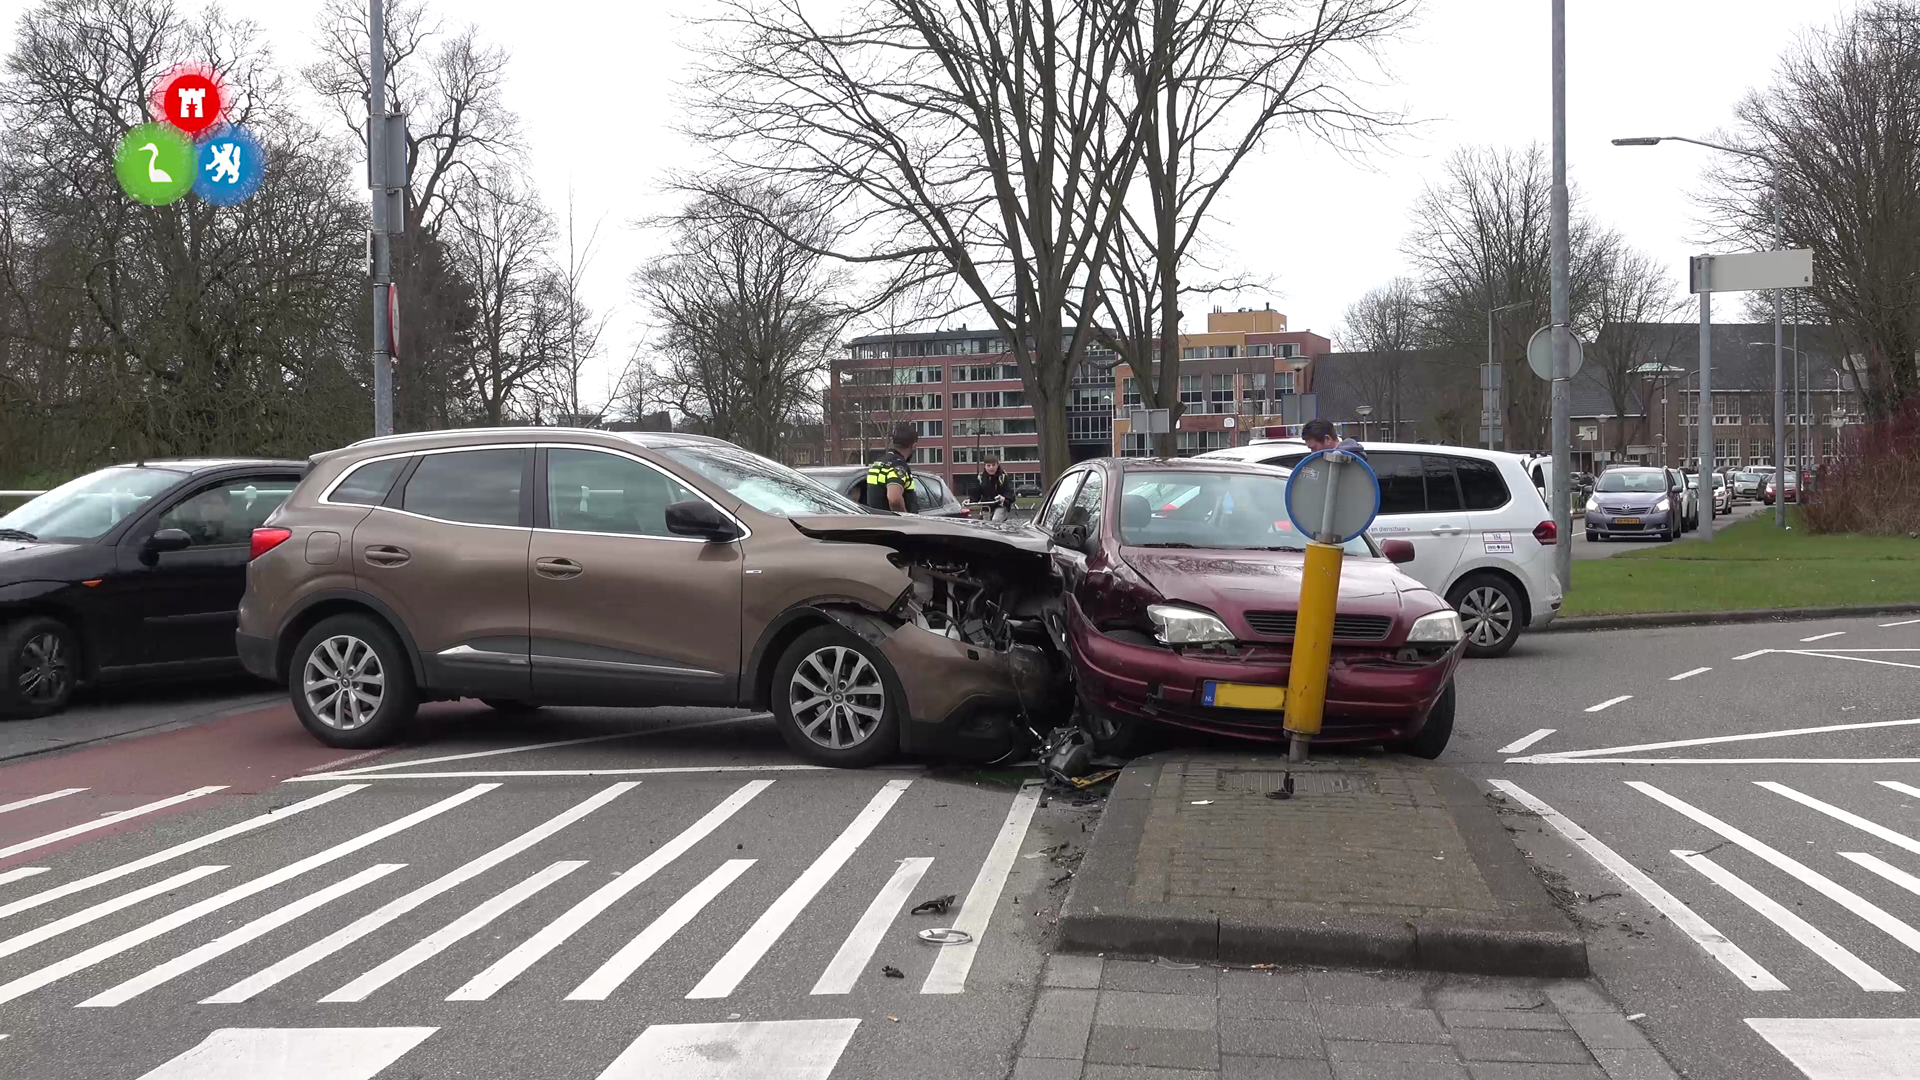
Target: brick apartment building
{"points": [[961, 389]]}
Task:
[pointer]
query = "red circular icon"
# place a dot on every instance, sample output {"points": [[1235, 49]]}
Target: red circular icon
{"points": [[189, 99]]}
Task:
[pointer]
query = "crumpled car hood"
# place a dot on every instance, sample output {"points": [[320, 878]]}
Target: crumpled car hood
{"points": [[928, 537], [1227, 582]]}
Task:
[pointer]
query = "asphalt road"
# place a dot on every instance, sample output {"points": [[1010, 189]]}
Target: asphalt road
{"points": [[1803, 910], [582, 893]]}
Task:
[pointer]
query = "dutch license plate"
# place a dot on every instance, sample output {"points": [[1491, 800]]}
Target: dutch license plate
{"points": [[1228, 695], [1626, 521]]}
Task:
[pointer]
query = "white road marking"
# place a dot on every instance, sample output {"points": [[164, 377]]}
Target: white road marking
{"points": [[1904, 789], [1525, 741], [1689, 674], [394, 909], [621, 965], [1711, 941], [1796, 927], [1845, 1049], [1899, 840], [228, 942], [103, 822], [417, 762], [1855, 659], [1902, 622], [19, 872], [952, 963], [554, 934], [1884, 869], [857, 951], [1610, 703], [1754, 653], [101, 910], [1823, 637], [293, 1054], [38, 799], [1813, 879], [1716, 740], [112, 947], [659, 771], [1556, 759], [48, 896], [767, 1050], [458, 930], [725, 975]]}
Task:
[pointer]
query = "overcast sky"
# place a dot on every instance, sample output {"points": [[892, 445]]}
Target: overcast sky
{"points": [[593, 84]]}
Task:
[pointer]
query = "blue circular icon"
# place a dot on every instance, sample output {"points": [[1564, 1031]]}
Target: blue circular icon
{"points": [[1323, 499], [231, 167]]}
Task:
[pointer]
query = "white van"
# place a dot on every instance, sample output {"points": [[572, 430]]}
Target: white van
{"points": [[1482, 535]]}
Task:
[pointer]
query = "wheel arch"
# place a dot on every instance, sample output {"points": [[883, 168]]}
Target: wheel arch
{"points": [[20, 606], [1497, 571], [785, 628], [328, 603]]}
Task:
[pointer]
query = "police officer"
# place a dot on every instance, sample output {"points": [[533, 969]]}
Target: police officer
{"points": [[890, 476]]}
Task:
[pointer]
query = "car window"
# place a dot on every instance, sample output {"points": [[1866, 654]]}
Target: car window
{"points": [[765, 485], [86, 508], [368, 485], [479, 487], [933, 492], [1632, 480], [1403, 483], [1088, 503], [1286, 460], [227, 514], [588, 491], [1443, 492], [1056, 508], [1481, 486], [1224, 510]]}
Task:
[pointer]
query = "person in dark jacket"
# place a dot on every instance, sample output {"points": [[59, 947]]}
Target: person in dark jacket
{"points": [[890, 475], [993, 489], [1319, 435]]}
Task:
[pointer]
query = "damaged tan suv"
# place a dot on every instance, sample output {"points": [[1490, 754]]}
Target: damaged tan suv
{"points": [[548, 566]]}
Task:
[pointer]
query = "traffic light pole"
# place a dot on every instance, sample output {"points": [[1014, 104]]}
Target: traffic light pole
{"points": [[379, 240]]}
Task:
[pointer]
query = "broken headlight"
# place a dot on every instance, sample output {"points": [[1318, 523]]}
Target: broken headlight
{"points": [[1177, 625], [1439, 626]]}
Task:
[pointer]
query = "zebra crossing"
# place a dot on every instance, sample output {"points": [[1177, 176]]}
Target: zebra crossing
{"points": [[185, 924], [1778, 892]]}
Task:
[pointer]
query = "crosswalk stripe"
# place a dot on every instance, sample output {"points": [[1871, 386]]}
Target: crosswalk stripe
{"points": [[1904, 789], [1899, 840], [554, 934], [102, 822], [101, 910], [763, 1050], [1845, 1048], [19, 872], [1820, 883], [951, 965], [58, 892], [38, 799], [1884, 869], [1711, 941], [857, 951], [226, 943], [1796, 927], [621, 965], [34, 980], [293, 1054], [466, 925], [285, 969], [725, 975]]}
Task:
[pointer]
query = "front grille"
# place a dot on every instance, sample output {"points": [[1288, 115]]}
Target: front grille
{"points": [[1623, 510], [1345, 627]]}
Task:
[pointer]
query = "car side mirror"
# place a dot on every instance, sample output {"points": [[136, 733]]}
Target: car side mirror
{"points": [[163, 541], [695, 517], [1071, 536], [1397, 551]]}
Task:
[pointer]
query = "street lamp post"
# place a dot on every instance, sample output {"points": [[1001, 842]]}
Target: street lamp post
{"points": [[1363, 411], [1490, 397], [1779, 340]]}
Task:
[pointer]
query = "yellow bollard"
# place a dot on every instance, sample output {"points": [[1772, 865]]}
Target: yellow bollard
{"points": [[1312, 645]]}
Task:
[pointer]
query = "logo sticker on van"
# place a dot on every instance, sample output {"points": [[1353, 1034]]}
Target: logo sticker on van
{"points": [[1497, 543]]}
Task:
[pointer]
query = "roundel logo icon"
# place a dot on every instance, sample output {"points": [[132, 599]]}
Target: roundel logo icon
{"points": [[231, 166], [156, 164], [190, 99]]}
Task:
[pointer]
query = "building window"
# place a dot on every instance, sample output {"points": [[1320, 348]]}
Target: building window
{"points": [[1090, 428], [1726, 452], [985, 372], [1191, 393], [1259, 350], [1289, 350], [917, 374], [1134, 446], [927, 429], [1090, 399], [1254, 392], [1020, 453], [1220, 397], [1194, 352], [928, 455], [1189, 443], [1130, 392], [1222, 352], [1283, 382], [866, 376]]}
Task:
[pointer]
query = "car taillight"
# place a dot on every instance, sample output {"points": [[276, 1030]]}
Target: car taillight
{"points": [[1546, 533], [265, 540]]}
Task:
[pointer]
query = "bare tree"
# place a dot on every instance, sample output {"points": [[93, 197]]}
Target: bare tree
{"points": [[500, 236], [746, 309], [1385, 324], [580, 329], [1631, 294]]}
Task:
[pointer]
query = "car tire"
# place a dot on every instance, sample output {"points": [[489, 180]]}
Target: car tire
{"points": [[1433, 737], [825, 686], [509, 707], [354, 652], [1592, 537], [1489, 612], [39, 667], [1112, 735]]}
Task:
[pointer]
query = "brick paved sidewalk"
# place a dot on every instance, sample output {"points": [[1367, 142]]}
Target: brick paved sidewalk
{"points": [[1109, 1019]]}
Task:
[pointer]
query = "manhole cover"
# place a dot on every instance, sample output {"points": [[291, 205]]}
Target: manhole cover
{"points": [[1305, 782]]}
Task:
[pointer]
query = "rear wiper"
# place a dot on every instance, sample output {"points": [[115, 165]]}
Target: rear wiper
{"points": [[17, 534]]}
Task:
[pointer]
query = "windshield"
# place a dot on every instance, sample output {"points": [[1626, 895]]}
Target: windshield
{"points": [[1640, 480], [86, 508], [767, 486], [1231, 511]]}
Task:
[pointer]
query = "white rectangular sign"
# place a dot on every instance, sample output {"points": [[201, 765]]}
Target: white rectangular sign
{"points": [[1751, 271]]}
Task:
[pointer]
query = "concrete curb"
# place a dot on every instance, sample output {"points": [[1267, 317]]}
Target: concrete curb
{"points": [[1531, 937], [1715, 618]]}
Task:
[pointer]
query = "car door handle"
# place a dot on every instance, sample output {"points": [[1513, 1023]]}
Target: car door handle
{"points": [[1448, 530], [385, 555], [559, 569]]}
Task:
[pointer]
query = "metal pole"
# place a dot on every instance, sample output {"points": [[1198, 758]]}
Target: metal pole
{"points": [[1560, 315], [377, 170], [1779, 385], [1706, 382], [1486, 390]]}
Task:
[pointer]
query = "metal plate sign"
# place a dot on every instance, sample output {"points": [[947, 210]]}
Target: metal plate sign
{"points": [[1332, 501], [1751, 271], [1540, 353]]}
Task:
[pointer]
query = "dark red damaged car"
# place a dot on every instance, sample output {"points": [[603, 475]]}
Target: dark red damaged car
{"points": [[1181, 579]]}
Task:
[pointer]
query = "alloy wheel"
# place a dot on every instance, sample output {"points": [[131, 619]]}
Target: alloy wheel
{"points": [[836, 697], [1487, 615], [44, 670], [343, 682]]}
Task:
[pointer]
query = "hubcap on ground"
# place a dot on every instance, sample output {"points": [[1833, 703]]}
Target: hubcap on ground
{"points": [[837, 697], [343, 682], [1487, 615], [44, 671]]}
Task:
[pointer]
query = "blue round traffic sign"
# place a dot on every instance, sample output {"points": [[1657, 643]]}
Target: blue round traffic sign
{"points": [[231, 167], [1328, 497]]}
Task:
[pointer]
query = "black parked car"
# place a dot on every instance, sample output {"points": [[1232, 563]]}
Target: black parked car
{"points": [[130, 571]]}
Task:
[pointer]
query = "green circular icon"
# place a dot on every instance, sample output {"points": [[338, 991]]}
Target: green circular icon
{"points": [[156, 164]]}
